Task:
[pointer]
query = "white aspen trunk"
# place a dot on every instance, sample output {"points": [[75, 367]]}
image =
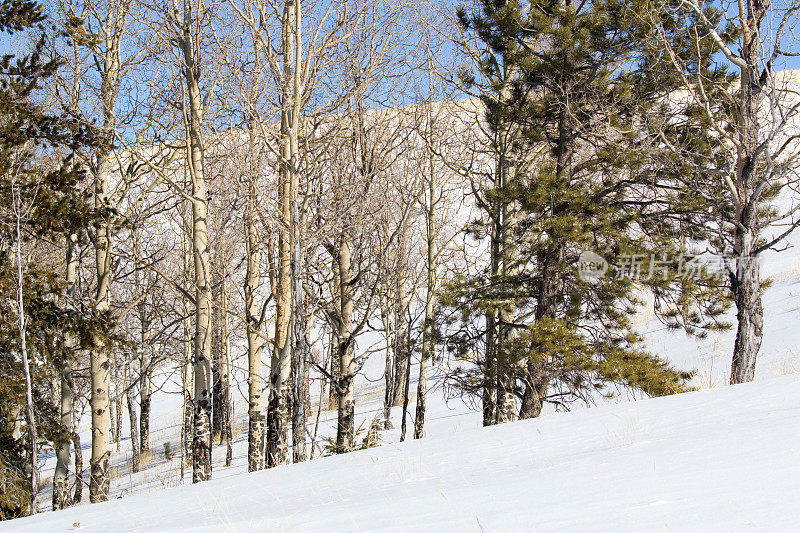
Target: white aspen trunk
{"points": [[498, 383], [99, 479], [345, 430], [506, 401], [23, 344], [62, 496], [252, 282], [14, 415], [201, 443], [506, 382], [277, 414]]}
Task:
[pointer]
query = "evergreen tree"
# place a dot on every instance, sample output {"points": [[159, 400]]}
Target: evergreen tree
{"points": [[576, 178], [42, 197]]}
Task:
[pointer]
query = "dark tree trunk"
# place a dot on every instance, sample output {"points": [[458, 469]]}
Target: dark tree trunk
{"points": [[135, 440], [389, 366], [552, 264], [536, 379], [745, 280], [277, 415], [144, 408], [201, 443], [406, 386], [333, 396], [76, 443], [299, 411], [188, 415], [113, 426], [345, 432], [401, 360], [299, 388], [389, 392], [218, 404], [535, 390], [489, 393], [746, 287]]}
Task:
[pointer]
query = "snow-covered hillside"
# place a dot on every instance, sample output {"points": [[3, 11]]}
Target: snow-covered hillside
{"points": [[721, 459]]}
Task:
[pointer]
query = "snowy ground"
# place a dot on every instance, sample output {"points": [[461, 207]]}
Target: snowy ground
{"points": [[717, 459]]}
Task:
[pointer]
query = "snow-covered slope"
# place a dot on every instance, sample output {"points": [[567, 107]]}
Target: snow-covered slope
{"points": [[719, 459]]}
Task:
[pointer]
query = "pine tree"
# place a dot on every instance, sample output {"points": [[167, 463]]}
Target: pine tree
{"points": [[575, 177]]}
